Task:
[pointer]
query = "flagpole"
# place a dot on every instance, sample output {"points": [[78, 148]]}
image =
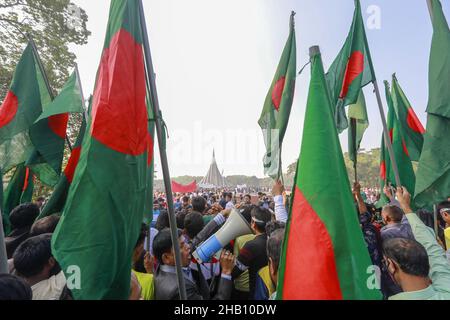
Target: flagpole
{"points": [[387, 140], [44, 75], [354, 147], [3, 256], [162, 151], [430, 9]]}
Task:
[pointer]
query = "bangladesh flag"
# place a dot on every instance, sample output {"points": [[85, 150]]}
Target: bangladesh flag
{"points": [[20, 108], [386, 173], [105, 206], [404, 164], [69, 100], [55, 204], [324, 255], [359, 122], [351, 70], [277, 106], [433, 174], [48, 136], [410, 125], [19, 190]]}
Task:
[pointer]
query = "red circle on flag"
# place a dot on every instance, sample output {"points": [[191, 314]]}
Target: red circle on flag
{"points": [[414, 122], [119, 111], [58, 124], [277, 93], [8, 109], [355, 67]]}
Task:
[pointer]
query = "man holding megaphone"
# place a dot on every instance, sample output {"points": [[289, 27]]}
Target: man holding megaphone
{"points": [[253, 255], [166, 285]]}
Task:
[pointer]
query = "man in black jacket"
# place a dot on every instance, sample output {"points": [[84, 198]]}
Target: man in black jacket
{"points": [[166, 284]]}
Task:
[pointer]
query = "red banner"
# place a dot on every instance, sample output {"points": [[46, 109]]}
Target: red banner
{"points": [[179, 188]]}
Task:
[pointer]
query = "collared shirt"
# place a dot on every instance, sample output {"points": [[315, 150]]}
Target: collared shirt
{"points": [[186, 271], [397, 230], [280, 210], [439, 266]]}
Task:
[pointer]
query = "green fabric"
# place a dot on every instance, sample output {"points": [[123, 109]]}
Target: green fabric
{"points": [[404, 164], [47, 156], [386, 174], [15, 143], [105, 206], [322, 177], [55, 204], [357, 111], [433, 174], [413, 139], [15, 194], [277, 106], [68, 101], [439, 266], [339, 71]]}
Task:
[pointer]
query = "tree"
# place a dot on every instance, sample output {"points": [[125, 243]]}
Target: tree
{"points": [[53, 24]]}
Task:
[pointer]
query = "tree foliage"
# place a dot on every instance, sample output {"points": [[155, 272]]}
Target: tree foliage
{"points": [[53, 24]]}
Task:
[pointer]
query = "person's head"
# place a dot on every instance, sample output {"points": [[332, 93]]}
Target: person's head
{"points": [[45, 225], [391, 214], [139, 247], [163, 220], [444, 210], [274, 244], [40, 202], [193, 224], [247, 199], [33, 258], [24, 215], [163, 249], [260, 217], [14, 288], [228, 196], [181, 216], [405, 259], [246, 212], [185, 201], [199, 204]]}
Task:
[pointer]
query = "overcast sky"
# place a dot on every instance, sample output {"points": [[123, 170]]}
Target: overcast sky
{"points": [[215, 61]]}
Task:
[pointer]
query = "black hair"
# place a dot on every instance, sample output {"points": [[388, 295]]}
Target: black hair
{"points": [[409, 254], [45, 225], [199, 204], [163, 220], [272, 226], [246, 212], [193, 224], [394, 212], [181, 216], [263, 216], [24, 215], [162, 243], [32, 255], [274, 245], [14, 288], [185, 199]]}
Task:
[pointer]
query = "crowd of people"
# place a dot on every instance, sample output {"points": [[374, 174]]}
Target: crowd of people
{"points": [[412, 260]]}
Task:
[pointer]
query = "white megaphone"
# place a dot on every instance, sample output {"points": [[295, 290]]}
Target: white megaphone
{"points": [[234, 227]]}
